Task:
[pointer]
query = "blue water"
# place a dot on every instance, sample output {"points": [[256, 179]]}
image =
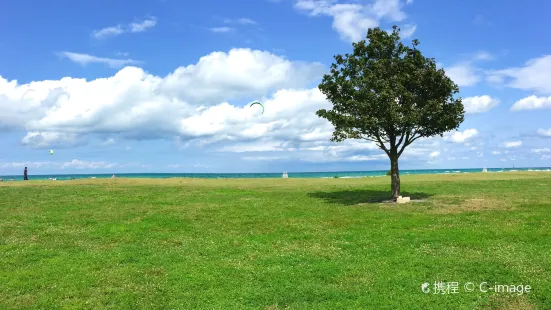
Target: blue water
{"points": [[340, 174]]}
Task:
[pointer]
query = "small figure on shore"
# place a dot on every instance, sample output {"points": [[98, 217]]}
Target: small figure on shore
{"points": [[25, 174]]}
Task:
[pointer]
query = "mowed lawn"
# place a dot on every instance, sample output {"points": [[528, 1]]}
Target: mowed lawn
{"points": [[275, 243]]}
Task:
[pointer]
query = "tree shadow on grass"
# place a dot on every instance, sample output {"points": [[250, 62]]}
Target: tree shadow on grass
{"points": [[358, 197]]}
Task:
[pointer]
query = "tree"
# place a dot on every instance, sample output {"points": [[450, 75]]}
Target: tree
{"points": [[390, 94]]}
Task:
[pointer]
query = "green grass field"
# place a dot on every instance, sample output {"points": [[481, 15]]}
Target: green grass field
{"points": [[275, 243]]}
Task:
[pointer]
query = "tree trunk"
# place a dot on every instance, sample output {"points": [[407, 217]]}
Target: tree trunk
{"points": [[395, 176]]}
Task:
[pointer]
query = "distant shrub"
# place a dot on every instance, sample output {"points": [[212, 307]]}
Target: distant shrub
{"points": [[388, 173], [336, 177]]}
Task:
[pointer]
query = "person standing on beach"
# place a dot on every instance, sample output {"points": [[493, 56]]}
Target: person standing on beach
{"points": [[25, 175]]}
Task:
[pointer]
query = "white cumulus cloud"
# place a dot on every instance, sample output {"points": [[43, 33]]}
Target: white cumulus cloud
{"points": [[407, 30], [192, 102], [460, 137], [532, 103], [533, 76], [479, 104], [512, 144], [351, 20], [463, 74], [544, 132], [143, 25], [45, 139]]}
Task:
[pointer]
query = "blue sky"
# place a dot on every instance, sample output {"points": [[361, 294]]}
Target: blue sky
{"points": [[163, 86]]}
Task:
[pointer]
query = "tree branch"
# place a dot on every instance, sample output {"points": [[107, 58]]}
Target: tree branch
{"points": [[402, 137], [370, 139], [405, 144], [408, 142], [413, 139], [382, 145]]}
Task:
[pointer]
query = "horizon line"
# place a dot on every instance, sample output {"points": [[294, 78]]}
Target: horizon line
{"points": [[288, 172]]}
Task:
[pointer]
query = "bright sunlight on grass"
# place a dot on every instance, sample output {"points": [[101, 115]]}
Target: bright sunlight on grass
{"points": [[275, 243]]}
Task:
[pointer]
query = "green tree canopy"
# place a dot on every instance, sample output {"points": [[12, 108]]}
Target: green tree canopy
{"points": [[389, 93]]}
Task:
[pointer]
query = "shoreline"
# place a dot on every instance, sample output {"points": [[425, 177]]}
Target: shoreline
{"points": [[296, 175]]}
